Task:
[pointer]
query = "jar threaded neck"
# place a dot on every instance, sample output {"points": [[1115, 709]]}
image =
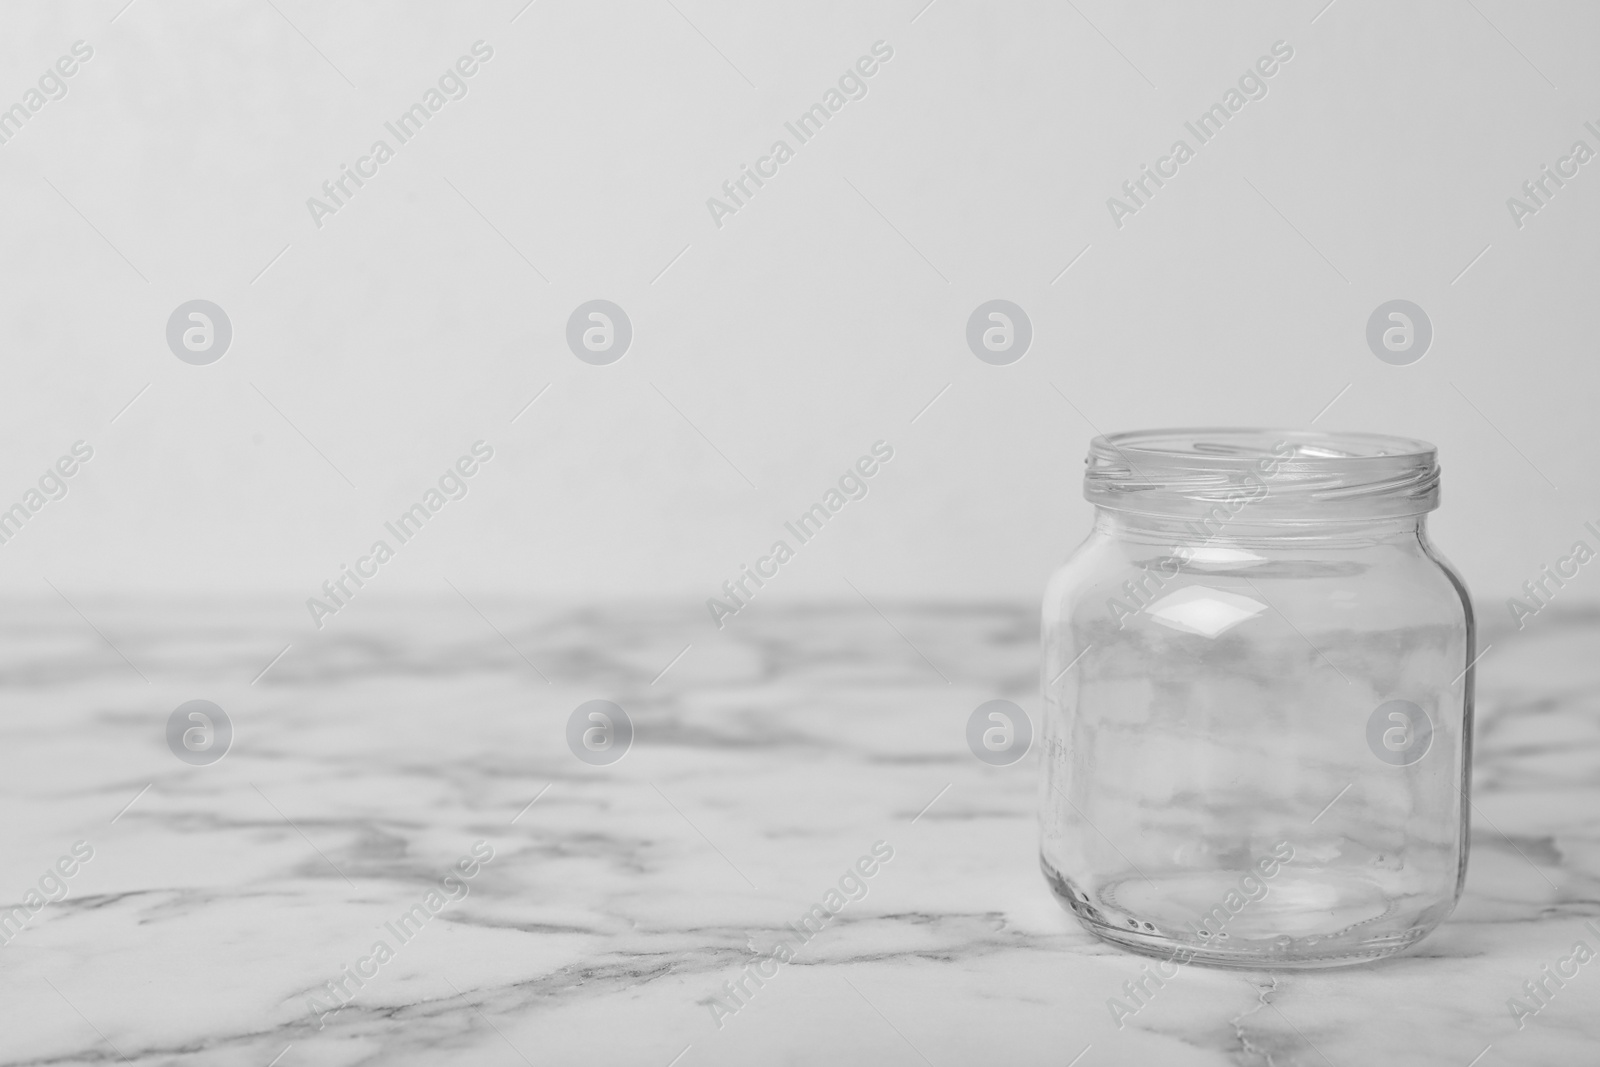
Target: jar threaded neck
{"points": [[1291, 476]]}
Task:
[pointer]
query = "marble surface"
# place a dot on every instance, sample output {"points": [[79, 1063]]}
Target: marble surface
{"points": [[368, 761]]}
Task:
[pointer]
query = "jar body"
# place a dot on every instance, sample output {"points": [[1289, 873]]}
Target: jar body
{"points": [[1257, 743]]}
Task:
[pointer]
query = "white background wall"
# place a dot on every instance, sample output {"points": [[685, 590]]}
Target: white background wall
{"points": [[822, 317]]}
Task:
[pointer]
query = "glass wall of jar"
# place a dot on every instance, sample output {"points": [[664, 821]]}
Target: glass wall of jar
{"points": [[1258, 679]]}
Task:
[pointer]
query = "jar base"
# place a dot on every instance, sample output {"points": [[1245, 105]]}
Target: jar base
{"points": [[1261, 941], [1253, 959]]}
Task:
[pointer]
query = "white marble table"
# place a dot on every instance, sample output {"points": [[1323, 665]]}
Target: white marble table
{"points": [[371, 758]]}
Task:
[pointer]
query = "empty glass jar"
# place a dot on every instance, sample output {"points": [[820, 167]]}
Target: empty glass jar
{"points": [[1258, 681]]}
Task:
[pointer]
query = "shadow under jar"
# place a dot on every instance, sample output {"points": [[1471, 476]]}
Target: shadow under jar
{"points": [[1258, 681]]}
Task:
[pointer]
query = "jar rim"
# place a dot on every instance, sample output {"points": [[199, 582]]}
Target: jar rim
{"points": [[1281, 475]]}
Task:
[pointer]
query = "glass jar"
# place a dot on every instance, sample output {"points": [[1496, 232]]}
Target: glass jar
{"points": [[1258, 700]]}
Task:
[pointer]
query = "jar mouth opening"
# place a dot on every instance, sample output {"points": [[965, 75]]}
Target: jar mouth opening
{"points": [[1274, 475]]}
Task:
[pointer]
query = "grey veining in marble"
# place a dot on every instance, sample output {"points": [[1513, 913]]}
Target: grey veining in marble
{"points": [[371, 760]]}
